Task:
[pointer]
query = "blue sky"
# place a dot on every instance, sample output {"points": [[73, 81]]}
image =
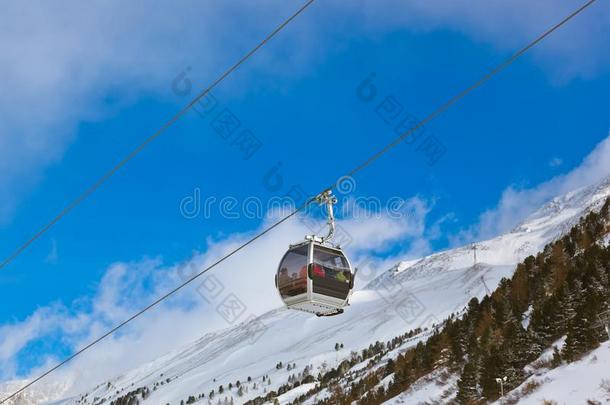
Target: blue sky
{"points": [[107, 87]]}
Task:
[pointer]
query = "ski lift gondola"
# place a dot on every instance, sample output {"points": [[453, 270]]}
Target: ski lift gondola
{"points": [[315, 276]]}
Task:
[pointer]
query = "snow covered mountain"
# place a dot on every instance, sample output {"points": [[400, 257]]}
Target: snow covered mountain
{"points": [[44, 393], [411, 296]]}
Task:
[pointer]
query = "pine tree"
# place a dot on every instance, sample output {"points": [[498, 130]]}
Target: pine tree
{"points": [[578, 332], [467, 385], [492, 367]]}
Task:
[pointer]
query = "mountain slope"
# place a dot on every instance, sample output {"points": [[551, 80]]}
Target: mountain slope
{"points": [[540, 322], [412, 296], [575, 383]]}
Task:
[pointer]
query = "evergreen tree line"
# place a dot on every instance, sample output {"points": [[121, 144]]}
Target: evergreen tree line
{"points": [[563, 289], [329, 378]]}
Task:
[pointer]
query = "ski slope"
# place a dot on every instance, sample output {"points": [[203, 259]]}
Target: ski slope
{"points": [[410, 295]]}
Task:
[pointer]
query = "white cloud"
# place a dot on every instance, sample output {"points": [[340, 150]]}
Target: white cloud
{"points": [[517, 203], [128, 287], [60, 62]]}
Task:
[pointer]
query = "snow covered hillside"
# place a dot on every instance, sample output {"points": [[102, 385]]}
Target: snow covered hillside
{"points": [[407, 297], [576, 383], [42, 394]]}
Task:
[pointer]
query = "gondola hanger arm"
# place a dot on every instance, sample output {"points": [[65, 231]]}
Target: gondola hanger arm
{"points": [[327, 198]]}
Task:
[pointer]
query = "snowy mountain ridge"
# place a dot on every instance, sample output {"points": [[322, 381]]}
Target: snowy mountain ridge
{"points": [[409, 296]]}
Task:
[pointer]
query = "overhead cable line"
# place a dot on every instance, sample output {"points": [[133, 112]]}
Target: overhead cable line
{"points": [[83, 196], [357, 169]]}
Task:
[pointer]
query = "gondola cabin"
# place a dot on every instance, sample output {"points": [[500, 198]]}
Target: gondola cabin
{"points": [[315, 278]]}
